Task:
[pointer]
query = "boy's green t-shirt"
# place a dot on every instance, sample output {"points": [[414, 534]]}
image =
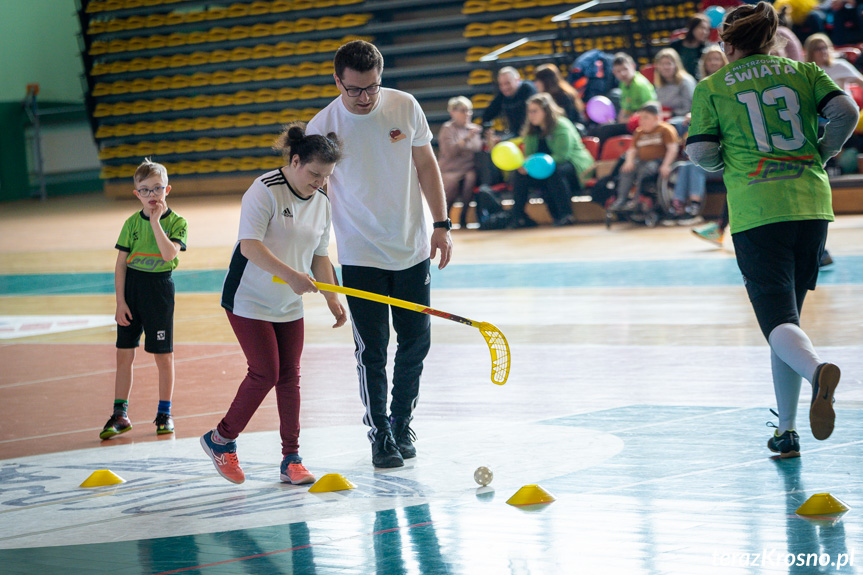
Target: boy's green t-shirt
{"points": [[764, 112], [639, 92], [137, 238]]}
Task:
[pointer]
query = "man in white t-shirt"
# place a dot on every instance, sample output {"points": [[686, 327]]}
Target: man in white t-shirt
{"points": [[384, 246]]}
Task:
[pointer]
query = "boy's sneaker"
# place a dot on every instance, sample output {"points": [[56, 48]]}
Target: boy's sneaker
{"points": [[821, 414], [224, 457], [385, 452], [116, 425], [710, 232], [164, 423], [786, 445], [294, 472], [826, 260], [404, 436]]}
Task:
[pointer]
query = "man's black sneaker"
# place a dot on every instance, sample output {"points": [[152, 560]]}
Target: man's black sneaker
{"points": [[404, 436], [786, 445], [385, 452]]}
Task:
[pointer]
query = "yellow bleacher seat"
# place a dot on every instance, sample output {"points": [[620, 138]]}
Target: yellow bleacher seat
{"points": [[500, 27], [355, 20], [114, 25], [227, 165], [281, 6], [219, 56], [223, 144], [160, 83], [199, 58], [160, 105], [328, 23], [181, 103], [263, 51], [139, 85], [197, 37], [100, 69], [475, 30], [477, 77], [305, 69], [134, 22], [249, 165], [283, 49], [136, 107], [182, 125], [204, 144], [527, 25], [175, 39], [241, 53], [267, 118], [308, 92], [259, 8], [302, 25], [199, 79], [96, 27], [158, 127], [237, 10], [243, 142], [473, 7], [178, 61], [498, 5], [224, 121], [238, 33], [201, 123], [122, 130], [524, 4], [481, 100], [241, 76], [199, 16], [244, 98], [282, 28], [179, 82], [154, 21], [217, 34], [98, 48], [206, 166], [201, 101], [221, 100], [184, 167], [260, 30], [284, 71], [220, 77], [329, 91], [102, 111], [263, 74], [288, 115], [216, 13]]}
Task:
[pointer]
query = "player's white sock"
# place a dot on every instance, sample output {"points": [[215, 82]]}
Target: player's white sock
{"points": [[786, 386], [793, 346]]}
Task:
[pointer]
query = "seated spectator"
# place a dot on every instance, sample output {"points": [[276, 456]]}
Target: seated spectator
{"points": [[458, 142], [548, 131], [711, 61], [547, 79], [692, 45], [819, 49], [843, 21], [510, 101], [654, 149], [674, 86], [635, 91], [787, 43]]}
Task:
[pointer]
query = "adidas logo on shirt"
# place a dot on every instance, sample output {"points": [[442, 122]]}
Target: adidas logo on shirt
{"points": [[287, 213]]}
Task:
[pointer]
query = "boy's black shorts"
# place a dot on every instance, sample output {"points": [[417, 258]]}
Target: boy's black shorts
{"points": [[150, 297]]}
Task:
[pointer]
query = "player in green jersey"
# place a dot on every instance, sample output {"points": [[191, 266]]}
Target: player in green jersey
{"points": [[149, 245], [757, 117]]}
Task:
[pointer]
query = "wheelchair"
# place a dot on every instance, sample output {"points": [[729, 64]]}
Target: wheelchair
{"points": [[653, 202]]}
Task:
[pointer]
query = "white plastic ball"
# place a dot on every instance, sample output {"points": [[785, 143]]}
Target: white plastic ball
{"points": [[483, 475]]}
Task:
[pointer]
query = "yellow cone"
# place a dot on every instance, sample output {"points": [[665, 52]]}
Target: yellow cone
{"points": [[331, 482], [530, 495], [822, 504], [102, 477]]}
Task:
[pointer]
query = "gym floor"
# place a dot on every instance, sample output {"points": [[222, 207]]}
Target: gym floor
{"points": [[638, 398]]}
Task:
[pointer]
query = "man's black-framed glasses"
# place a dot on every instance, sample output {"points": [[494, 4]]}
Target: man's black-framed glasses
{"points": [[147, 192], [355, 92]]}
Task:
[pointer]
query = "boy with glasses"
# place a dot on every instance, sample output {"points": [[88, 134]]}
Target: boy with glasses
{"points": [[377, 194], [149, 244]]}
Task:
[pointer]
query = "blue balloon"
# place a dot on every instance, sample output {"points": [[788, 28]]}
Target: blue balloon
{"points": [[716, 14], [539, 166]]}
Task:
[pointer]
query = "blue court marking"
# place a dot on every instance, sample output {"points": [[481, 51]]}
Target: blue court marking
{"points": [[579, 274]]}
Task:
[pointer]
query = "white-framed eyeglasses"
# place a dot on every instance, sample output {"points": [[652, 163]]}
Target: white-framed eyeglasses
{"points": [[147, 192]]}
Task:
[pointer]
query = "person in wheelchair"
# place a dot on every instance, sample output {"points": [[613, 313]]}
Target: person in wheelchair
{"points": [[654, 149]]}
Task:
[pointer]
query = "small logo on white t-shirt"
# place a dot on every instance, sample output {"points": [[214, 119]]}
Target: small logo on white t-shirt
{"points": [[396, 135], [287, 213]]}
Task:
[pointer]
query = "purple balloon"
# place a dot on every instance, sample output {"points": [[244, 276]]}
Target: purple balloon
{"points": [[600, 110]]}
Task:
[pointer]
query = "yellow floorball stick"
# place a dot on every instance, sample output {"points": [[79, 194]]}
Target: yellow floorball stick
{"points": [[497, 344]]}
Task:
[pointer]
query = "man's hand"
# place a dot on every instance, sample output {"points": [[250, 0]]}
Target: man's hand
{"points": [[441, 239], [336, 309]]}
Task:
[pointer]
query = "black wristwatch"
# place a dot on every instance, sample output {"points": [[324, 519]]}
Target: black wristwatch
{"points": [[445, 224]]}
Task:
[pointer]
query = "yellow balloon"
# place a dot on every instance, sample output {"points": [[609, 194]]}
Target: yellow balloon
{"points": [[507, 156], [517, 141]]}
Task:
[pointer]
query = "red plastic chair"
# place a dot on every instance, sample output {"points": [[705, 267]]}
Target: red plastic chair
{"points": [[850, 53], [648, 71], [592, 145], [615, 147]]}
